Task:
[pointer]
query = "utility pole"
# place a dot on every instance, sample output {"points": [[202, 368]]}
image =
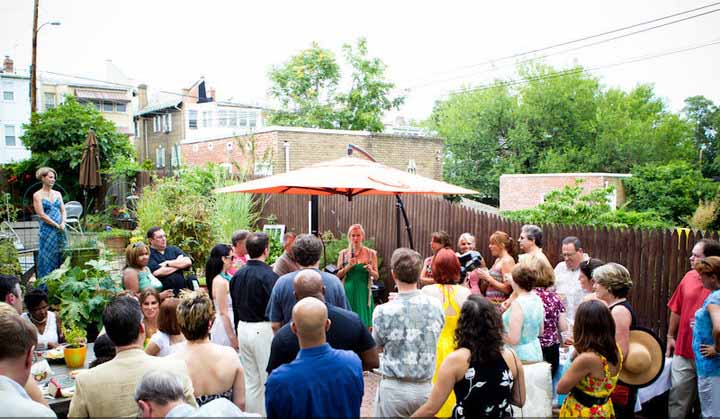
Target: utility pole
{"points": [[33, 67]]}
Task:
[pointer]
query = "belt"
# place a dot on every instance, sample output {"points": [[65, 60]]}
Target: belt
{"points": [[586, 399], [407, 379]]}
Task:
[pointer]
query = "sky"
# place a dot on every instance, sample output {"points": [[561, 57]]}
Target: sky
{"points": [[430, 48]]}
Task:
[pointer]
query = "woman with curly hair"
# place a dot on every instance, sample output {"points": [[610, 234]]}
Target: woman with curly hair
{"points": [[486, 376]]}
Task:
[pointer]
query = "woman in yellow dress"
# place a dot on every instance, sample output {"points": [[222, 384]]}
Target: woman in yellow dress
{"points": [[593, 374], [446, 274]]}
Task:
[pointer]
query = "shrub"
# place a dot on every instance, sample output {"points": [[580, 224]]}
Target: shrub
{"points": [[704, 216]]}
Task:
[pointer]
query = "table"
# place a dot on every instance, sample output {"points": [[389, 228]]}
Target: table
{"points": [[61, 405]]}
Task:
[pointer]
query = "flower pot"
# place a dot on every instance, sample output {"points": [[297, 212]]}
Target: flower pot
{"points": [[75, 357], [116, 244]]}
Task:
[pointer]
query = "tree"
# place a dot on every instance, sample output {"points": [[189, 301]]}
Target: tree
{"points": [[672, 190], [554, 121], [306, 87], [57, 138], [705, 117]]}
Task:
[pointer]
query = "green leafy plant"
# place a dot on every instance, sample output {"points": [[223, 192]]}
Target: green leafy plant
{"points": [[8, 211], [9, 264], [115, 232], [76, 337], [81, 292], [570, 206], [275, 246], [334, 246]]}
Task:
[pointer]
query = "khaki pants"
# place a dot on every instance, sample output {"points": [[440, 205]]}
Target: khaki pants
{"points": [[400, 399], [683, 392], [255, 340]]}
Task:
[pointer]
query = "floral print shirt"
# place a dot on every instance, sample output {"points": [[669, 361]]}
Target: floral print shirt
{"points": [[553, 307]]}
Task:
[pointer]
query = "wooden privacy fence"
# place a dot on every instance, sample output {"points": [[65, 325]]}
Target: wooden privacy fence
{"points": [[656, 259]]}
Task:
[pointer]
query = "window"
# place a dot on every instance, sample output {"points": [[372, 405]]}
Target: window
{"points": [[223, 118], [49, 101], [120, 107], [412, 166], [156, 123], [263, 168], [207, 119], [233, 120], [98, 106], [9, 95], [192, 119], [167, 122], [252, 119], [10, 140], [107, 107]]}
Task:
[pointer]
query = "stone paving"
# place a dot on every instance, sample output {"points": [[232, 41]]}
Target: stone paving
{"points": [[368, 404]]}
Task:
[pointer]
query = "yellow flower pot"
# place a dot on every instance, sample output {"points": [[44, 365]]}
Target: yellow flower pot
{"points": [[75, 357]]}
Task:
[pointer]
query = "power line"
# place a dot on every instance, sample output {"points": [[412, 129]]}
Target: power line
{"points": [[584, 70], [517, 55]]}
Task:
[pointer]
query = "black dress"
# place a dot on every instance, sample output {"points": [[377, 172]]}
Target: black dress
{"points": [[485, 391]]}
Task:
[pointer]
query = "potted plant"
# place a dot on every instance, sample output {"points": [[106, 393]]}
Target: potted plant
{"points": [[115, 239], [75, 350], [82, 252]]}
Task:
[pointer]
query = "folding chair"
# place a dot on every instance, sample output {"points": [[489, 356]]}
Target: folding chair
{"points": [[73, 211]]}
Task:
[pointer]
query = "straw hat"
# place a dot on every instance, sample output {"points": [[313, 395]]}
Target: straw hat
{"points": [[645, 359]]}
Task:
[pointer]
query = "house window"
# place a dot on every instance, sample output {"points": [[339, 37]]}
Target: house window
{"points": [[98, 105], [233, 120], [263, 168], [120, 107], [252, 116], [49, 101], [412, 166], [223, 118], [207, 119], [168, 122], [156, 123], [107, 107], [10, 139], [192, 119], [9, 95]]}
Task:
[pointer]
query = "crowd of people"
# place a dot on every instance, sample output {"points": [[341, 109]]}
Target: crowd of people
{"points": [[289, 340]]}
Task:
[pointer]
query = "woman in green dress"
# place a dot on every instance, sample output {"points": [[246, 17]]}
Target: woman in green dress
{"points": [[358, 269]]}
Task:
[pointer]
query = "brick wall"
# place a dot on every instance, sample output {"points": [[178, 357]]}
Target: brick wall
{"points": [[527, 191], [310, 146]]}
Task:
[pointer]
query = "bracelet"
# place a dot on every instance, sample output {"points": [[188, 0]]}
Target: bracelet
{"points": [[671, 337]]}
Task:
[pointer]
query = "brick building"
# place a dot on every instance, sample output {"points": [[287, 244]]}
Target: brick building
{"points": [[521, 191], [275, 150]]}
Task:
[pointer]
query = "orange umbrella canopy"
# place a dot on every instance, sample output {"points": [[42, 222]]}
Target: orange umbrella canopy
{"points": [[347, 176], [90, 164]]}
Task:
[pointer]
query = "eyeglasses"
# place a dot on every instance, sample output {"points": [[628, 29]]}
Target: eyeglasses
{"points": [[138, 244]]}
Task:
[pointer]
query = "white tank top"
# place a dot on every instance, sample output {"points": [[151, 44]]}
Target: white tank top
{"points": [[50, 335]]}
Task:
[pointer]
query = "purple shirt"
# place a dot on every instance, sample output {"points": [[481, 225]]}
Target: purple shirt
{"points": [[553, 307]]}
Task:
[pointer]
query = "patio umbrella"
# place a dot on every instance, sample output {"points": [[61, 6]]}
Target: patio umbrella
{"points": [[90, 165], [349, 176]]}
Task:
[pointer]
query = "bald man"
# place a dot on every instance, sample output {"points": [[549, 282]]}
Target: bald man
{"points": [[346, 329], [321, 381]]}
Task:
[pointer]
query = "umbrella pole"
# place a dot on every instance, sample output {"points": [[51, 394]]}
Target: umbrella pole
{"points": [[401, 210], [314, 215]]}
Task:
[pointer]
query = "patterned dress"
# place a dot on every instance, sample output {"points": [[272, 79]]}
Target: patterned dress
{"points": [[52, 241], [594, 387], [446, 343], [485, 391]]}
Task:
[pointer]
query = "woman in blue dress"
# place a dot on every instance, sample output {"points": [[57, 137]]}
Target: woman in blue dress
{"points": [[50, 208]]}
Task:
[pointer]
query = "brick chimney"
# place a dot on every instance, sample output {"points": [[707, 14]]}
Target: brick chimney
{"points": [[211, 94], [142, 96], [8, 65]]}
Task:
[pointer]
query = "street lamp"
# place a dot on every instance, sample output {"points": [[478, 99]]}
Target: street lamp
{"points": [[33, 66]]}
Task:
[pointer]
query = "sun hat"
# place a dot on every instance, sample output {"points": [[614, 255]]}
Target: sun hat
{"points": [[645, 359]]}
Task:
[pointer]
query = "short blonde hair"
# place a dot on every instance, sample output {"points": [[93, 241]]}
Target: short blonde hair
{"points": [[43, 171], [468, 238], [614, 277], [545, 272], [195, 314]]}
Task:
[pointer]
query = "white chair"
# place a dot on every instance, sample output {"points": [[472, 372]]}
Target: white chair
{"points": [[73, 211]]}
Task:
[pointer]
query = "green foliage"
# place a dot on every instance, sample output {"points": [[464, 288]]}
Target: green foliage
{"points": [[557, 121], [115, 232], [306, 87], [74, 335], [81, 292], [276, 246], [192, 216], [672, 190], [9, 264], [705, 117], [570, 206], [8, 211], [124, 167], [57, 138]]}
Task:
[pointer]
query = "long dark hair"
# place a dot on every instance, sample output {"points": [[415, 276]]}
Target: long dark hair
{"points": [[214, 264], [594, 330], [479, 329]]}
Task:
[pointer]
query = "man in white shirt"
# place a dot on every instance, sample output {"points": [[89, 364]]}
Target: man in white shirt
{"points": [[567, 276], [19, 338], [160, 395]]}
